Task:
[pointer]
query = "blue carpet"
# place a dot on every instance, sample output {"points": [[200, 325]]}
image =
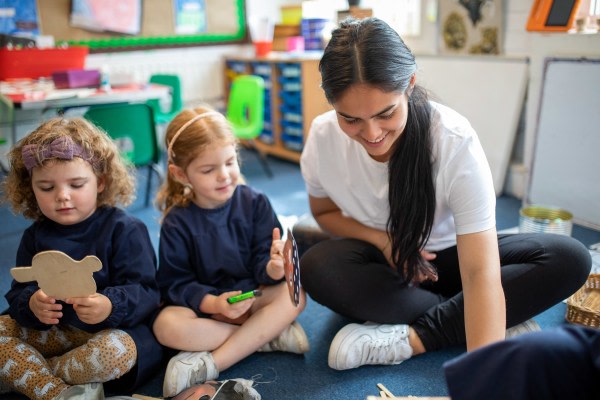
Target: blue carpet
{"points": [[289, 376]]}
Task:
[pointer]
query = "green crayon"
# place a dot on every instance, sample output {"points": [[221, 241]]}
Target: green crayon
{"points": [[244, 296]]}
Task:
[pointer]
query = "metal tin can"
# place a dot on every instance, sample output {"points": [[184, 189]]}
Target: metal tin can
{"points": [[545, 219]]}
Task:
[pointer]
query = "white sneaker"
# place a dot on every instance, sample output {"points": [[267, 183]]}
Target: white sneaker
{"points": [[292, 340], [186, 369], [525, 327], [356, 345], [88, 391]]}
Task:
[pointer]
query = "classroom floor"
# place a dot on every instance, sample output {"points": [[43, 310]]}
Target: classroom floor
{"points": [[291, 376]]}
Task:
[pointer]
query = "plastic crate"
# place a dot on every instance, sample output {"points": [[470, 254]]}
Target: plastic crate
{"points": [[290, 129], [290, 70], [37, 63], [312, 31], [291, 115], [76, 78], [290, 84], [313, 43], [262, 69], [293, 142], [238, 67], [291, 99]]}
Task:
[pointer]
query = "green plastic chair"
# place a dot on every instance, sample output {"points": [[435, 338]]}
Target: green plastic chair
{"points": [[132, 127], [173, 81], [245, 111], [6, 123]]}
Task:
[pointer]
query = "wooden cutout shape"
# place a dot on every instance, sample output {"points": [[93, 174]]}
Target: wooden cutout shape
{"points": [[59, 276]]}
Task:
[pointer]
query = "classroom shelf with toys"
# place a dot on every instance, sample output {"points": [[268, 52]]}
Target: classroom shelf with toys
{"points": [[293, 97]]}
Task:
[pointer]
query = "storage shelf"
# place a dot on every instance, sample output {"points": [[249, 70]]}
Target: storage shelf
{"points": [[294, 99]]}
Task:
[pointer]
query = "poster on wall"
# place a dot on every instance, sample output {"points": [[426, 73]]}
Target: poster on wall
{"points": [[19, 17], [190, 16], [471, 26], [118, 16]]}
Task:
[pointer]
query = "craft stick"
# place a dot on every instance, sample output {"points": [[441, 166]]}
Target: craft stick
{"points": [[382, 394], [385, 390]]}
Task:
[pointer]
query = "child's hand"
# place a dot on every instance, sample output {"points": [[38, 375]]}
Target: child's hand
{"points": [[45, 308], [91, 309], [235, 310], [275, 264]]}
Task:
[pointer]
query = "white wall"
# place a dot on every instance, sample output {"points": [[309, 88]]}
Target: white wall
{"points": [[536, 46], [202, 67]]}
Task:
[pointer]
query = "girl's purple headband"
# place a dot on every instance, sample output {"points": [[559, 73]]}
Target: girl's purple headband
{"points": [[63, 148]]}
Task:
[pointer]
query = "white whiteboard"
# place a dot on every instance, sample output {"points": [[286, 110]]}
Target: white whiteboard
{"points": [[566, 160], [489, 91]]}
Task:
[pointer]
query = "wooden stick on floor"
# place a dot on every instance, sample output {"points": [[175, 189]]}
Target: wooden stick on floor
{"points": [[385, 390]]}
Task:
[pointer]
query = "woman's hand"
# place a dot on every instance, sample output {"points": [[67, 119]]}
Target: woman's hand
{"points": [[275, 265], [45, 308], [92, 309], [425, 272], [387, 252]]}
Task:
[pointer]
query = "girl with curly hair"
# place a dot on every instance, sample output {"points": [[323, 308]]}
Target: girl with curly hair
{"points": [[68, 176]]}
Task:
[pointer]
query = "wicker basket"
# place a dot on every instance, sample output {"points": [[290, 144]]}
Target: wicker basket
{"points": [[583, 307]]}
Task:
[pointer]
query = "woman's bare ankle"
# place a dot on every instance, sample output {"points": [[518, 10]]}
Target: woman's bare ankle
{"points": [[415, 342]]}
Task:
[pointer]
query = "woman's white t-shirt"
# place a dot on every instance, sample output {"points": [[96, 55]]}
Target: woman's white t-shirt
{"points": [[337, 167]]}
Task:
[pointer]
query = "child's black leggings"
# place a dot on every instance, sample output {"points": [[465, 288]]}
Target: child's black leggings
{"points": [[352, 278]]}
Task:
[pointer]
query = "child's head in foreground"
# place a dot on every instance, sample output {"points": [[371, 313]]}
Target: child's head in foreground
{"points": [[203, 160], [64, 170]]}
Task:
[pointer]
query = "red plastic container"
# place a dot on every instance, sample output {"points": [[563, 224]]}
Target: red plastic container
{"points": [[36, 63], [263, 48]]}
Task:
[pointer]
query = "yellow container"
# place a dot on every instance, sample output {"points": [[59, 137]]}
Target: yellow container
{"points": [[291, 15]]}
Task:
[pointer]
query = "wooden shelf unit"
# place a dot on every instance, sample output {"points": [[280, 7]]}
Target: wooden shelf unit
{"points": [[293, 99]]}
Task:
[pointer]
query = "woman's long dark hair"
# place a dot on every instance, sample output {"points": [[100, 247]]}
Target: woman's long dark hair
{"points": [[369, 51]]}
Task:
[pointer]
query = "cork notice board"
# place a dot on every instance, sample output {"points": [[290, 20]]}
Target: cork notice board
{"points": [[225, 23]]}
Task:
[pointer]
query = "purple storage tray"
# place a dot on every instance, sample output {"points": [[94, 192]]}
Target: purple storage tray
{"points": [[76, 78]]}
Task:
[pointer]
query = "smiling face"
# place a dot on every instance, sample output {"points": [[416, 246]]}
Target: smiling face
{"points": [[66, 191], [373, 118], [213, 174]]}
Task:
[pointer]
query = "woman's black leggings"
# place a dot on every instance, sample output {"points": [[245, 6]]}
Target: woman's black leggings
{"points": [[353, 278]]}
